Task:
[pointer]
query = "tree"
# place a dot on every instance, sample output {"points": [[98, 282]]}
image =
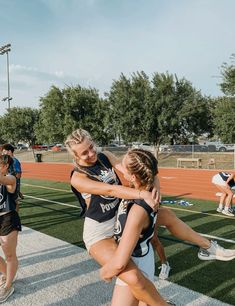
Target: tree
{"points": [[50, 126], [18, 125], [62, 111], [127, 99], [228, 74], [165, 109], [224, 114], [176, 112]]}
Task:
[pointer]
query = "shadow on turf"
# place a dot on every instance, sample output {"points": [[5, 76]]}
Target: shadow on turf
{"points": [[207, 277]]}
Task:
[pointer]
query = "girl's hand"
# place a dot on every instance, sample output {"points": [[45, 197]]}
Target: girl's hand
{"points": [[156, 194], [153, 203]]}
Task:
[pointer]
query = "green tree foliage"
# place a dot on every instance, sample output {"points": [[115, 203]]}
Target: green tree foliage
{"points": [[223, 119], [18, 125], [165, 109], [228, 74], [62, 111], [50, 127], [128, 98]]}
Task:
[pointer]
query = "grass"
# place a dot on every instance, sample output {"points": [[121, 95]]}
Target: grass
{"points": [[212, 278]]}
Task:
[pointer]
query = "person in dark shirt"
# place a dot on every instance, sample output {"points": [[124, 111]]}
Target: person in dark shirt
{"points": [[134, 227], [15, 169], [9, 227], [97, 182]]}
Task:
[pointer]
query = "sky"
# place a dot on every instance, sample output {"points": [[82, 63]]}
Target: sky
{"points": [[91, 42]]}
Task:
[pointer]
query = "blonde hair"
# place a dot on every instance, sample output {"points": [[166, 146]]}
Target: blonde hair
{"points": [[76, 137], [143, 165]]}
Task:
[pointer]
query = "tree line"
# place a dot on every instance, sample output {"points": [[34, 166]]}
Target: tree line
{"points": [[160, 109]]}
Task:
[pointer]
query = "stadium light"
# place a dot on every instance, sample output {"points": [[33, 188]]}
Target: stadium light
{"points": [[6, 49]]}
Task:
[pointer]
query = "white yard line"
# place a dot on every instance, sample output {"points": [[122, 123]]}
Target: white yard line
{"points": [[44, 187], [50, 201], [200, 212], [218, 238]]}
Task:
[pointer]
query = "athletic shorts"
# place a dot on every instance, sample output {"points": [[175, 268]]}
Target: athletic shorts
{"points": [[9, 222], [217, 180], [94, 231], [145, 264]]}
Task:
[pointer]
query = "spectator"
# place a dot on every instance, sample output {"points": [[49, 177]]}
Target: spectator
{"points": [[224, 182], [9, 227], [16, 169]]}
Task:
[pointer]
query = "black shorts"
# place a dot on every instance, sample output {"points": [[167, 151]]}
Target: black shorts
{"points": [[9, 222]]}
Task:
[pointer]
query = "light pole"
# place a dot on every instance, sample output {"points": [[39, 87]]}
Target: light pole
{"points": [[6, 49]]}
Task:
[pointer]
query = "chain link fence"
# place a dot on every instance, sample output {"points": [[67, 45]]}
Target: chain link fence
{"points": [[185, 156]]}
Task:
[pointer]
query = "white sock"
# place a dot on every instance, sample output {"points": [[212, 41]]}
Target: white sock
{"points": [[221, 206]]}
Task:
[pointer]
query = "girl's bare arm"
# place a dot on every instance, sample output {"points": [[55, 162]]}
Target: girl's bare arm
{"points": [[84, 184]]}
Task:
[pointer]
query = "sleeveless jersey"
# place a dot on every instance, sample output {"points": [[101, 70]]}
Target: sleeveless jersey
{"points": [[142, 247], [7, 200], [101, 208], [225, 176]]}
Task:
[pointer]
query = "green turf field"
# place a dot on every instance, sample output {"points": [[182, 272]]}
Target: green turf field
{"points": [[51, 208]]}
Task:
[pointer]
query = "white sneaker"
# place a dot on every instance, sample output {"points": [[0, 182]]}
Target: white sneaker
{"points": [[5, 293], [215, 251], [227, 213], [165, 270], [219, 209], [3, 280]]}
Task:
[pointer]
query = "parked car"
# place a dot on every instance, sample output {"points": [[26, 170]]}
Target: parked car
{"points": [[40, 147], [221, 147], [115, 147], [58, 147], [164, 148], [21, 146], [189, 148], [144, 145]]}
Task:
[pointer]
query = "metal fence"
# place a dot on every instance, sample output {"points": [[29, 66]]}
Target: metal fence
{"points": [[189, 156]]}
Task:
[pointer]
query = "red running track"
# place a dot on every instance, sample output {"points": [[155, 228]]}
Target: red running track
{"points": [[191, 183]]}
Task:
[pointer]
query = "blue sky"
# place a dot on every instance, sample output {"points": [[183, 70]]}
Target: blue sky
{"points": [[91, 42]]}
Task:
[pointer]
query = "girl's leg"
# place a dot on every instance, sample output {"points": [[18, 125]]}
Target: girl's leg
{"points": [[158, 246], [142, 288], [180, 229], [226, 196], [122, 295], [8, 244]]}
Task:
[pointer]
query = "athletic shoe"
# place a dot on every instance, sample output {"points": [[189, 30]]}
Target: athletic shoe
{"points": [[227, 213], [215, 251], [3, 280], [5, 293], [165, 270], [219, 209]]}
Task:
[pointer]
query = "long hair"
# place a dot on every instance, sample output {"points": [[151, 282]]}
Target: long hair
{"points": [[143, 165]]}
